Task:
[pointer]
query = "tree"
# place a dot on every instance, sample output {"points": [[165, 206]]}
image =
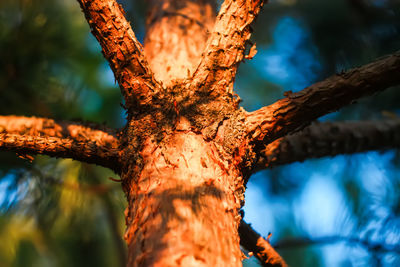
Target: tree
{"points": [[187, 150]]}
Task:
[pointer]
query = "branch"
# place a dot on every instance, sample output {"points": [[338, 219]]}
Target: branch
{"points": [[65, 139], [369, 245], [226, 46], [297, 110], [122, 50], [176, 36], [262, 249], [330, 139]]}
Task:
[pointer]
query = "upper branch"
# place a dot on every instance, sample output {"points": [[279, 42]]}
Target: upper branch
{"points": [[262, 249], [65, 139], [330, 139], [226, 46], [122, 50], [176, 36], [298, 109]]}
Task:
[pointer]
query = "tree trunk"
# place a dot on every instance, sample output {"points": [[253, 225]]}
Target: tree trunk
{"points": [[183, 203]]}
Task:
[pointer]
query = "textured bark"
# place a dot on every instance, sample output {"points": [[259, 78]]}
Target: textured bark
{"points": [[176, 35], [262, 249], [183, 204], [226, 46], [60, 139], [331, 139], [297, 110], [121, 49]]}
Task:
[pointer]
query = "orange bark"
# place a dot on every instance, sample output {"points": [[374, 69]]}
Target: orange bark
{"points": [[261, 248], [226, 46], [176, 35], [85, 142], [297, 110], [121, 49], [183, 204]]}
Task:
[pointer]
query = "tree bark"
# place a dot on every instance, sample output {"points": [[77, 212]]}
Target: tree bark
{"points": [[183, 204], [84, 142], [297, 110], [122, 50], [262, 249], [226, 46], [177, 32]]}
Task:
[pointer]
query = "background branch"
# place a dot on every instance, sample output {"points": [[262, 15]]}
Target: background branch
{"points": [[122, 50], [64, 139], [367, 244], [262, 249], [299, 109], [226, 46], [330, 139]]}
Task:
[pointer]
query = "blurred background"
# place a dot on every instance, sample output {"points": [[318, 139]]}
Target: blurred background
{"points": [[341, 211]]}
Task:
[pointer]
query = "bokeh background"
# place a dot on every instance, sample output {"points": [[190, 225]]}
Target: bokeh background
{"points": [[341, 211]]}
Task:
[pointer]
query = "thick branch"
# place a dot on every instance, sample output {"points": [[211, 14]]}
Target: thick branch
{"points": [[122, 50], [226, 46], [299, 109], [262, 249], [65, 139], [330, 139], [177, 32]]}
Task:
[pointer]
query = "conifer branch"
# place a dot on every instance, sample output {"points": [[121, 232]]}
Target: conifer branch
{"points": [[299, 109], [331, 139], [84, 142], [262, 249], [122, 50], [226, 46]]}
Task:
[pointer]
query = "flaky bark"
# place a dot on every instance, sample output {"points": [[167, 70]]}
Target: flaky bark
{"points": [[176, 35], [330, 139], [226, 46], [262, 249], [298, 109], [183, 205], [60, 139], [121, 49]]}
